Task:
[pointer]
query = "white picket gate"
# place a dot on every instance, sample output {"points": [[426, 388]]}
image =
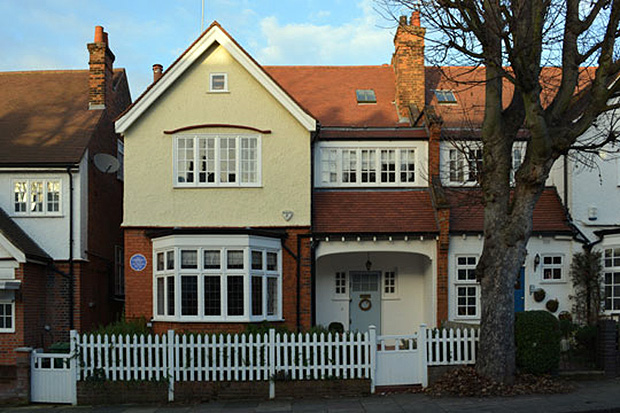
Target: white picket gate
{"points": [[53, 378], [401, 359]]}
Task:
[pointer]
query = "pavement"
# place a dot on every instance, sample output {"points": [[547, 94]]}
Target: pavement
{"points": [[602, 395]]}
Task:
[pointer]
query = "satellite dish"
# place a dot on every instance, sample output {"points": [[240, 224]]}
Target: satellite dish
{"points": [[106, 163]]}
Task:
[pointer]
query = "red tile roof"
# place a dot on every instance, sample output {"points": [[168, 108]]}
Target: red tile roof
{"points": [[328, 93], [374, 212], [44, 116], [468, 85], [467, 215]]}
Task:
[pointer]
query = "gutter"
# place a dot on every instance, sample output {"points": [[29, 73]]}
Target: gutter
{"points": [[70, 276]]}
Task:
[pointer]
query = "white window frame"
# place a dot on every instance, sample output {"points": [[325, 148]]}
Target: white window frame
{"points": [[212, 76], [552, 266], [610, 270], [217, 161], [389, 295], [341, 281], [466, 283], [11, 304], [457, 161], [332, 154], [222, 243], [29, 212]]}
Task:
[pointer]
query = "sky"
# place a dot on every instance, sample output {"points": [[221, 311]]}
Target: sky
{"points": [[52, 34]]}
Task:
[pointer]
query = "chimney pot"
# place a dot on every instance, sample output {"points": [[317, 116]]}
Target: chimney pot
{"points": [[415, 18], [98, 34], [105, 37], [158, 72], [402, 21]]}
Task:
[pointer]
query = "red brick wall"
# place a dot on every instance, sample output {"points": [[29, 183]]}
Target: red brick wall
{"points": [[139, 285], [408, 63], [30, 313], [434, 137]]}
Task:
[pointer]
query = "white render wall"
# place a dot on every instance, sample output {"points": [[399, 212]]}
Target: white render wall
{"points": [[472, 245], [52, 233], [412, 305]]}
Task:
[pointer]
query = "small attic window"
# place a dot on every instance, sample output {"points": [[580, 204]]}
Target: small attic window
{"points": [[218, 82], [445, 96], [365, 96]]}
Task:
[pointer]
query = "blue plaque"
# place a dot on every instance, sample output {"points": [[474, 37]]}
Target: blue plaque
{"points": [[137, 262]]}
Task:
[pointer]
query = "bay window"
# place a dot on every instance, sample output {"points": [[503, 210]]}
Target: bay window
{"points": [[204, 160], [218, 278]]}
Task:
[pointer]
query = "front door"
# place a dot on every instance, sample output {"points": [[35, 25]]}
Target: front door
{"points": [[519, 294], [365, 300]]}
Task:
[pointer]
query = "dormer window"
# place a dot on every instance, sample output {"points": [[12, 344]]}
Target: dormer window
{"points": [[365, 96], [218, 82], [445, 96]]}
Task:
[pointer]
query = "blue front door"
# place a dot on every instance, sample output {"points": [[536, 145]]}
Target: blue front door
{"points": [[519, 295]]}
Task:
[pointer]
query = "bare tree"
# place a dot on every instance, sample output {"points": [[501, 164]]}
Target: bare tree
{"points": [[513, 40]]}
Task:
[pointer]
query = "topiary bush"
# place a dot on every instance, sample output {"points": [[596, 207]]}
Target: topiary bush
{"points": [[537, 336]]}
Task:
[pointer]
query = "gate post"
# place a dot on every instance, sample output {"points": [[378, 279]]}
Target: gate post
{"points": [[423, 355], [73, 355], [272, 363], [372, 342], [171, 365]]}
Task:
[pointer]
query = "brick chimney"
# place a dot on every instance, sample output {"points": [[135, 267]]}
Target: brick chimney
{"points": [[101, 71], [408, 63], [158, 71]]}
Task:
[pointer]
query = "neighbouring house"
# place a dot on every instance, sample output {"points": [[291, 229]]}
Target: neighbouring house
{"points": [[60, 240], [304, 195]]}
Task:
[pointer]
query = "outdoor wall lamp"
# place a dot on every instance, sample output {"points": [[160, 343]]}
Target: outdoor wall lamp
{"points": [[536, 261], [368, 262]]}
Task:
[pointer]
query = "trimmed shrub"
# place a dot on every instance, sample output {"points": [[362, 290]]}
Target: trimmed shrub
{"points": [[124, 327], [537, 335]]}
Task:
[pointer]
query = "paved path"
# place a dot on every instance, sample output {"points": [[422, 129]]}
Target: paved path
{"points": [[590, 396]]}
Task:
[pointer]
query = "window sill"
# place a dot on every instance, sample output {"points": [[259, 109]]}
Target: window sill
{"points": [[7, 331], [215, 186], [55, 215], [339, 298], [390, 298], [218, 320], [551, 282], [218, 92]]}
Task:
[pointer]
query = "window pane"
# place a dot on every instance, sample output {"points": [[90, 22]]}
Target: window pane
{"points": [[21, 194], [189, 295], [257, 260], [170, 260], [388, 165], [160, 297], [189, 259], [235, 295], [206, 156], [212, 259], [36, 196], [272, 261], [228, 160], [234, 260], [329, 165], [349, 165], [213, 296], [185, 160], [407, 165], [340, 281], [218, 82], [249, 157], [369, 167], [272, 296], [170, 281], [160, 261], [456, 166], [257, 295], [53, 196]]}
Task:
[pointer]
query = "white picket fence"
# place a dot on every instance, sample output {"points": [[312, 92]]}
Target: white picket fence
{"points": [[385, 360], [451, 346]]}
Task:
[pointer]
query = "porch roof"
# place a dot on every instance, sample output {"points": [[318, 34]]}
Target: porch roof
{"points": [[467, 212], [374, 211]]}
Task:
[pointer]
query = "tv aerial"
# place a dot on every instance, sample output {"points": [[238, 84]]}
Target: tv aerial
{"points": [[106, 163]]}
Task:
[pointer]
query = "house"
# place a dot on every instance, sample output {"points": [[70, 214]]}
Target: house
{"points": [[304, 195], [60, 239]]}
